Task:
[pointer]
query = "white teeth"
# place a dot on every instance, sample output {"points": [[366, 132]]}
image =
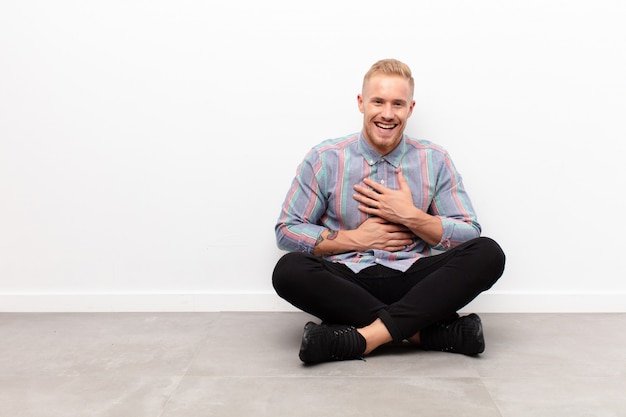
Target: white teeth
{"points": [[383, 126]]}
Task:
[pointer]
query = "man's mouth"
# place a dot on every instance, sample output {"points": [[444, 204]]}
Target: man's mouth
{"points": [[385, 126]]}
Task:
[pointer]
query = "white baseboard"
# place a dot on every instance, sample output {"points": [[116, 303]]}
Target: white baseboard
{"points": [[490, 302]]}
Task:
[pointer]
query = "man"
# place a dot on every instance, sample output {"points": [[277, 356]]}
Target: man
{"points": [[366, 220]]}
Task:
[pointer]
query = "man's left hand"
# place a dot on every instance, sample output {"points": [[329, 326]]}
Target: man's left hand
{"points": [[395, 206]]}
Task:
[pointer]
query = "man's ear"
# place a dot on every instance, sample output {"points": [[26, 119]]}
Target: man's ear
{"points": [[359, 99], [411, 108]]}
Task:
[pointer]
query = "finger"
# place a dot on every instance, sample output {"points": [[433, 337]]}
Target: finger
{"points": [[375, 219], [404, 237], [369, 192], [366, 200], [396, 248], [366, 209], [399, 240], [399, 229], [379, 188], [361, 198], [401, 243]]}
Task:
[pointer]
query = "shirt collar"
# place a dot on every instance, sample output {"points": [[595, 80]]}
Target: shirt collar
{"points": [[372, 157]]}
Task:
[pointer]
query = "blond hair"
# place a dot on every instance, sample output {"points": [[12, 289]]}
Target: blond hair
{"points": [[390, 67]]}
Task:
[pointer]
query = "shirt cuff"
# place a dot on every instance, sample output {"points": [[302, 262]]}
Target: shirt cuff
{"points": [[446, 238], [309, 239]]}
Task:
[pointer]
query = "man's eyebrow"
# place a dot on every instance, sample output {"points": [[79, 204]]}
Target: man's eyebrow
{"points": [[395, 100]]}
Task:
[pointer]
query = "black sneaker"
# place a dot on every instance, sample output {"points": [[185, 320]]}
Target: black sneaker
{"points": [[463, 335], [322, 343]]}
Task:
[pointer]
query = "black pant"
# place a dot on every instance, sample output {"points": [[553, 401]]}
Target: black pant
{"points": [[432, 289]]}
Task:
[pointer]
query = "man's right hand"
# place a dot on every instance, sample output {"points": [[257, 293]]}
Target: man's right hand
{"points": [[377, 233], [373, 233]]}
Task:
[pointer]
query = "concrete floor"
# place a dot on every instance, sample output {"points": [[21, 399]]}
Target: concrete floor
{"points": [[246, 364]]}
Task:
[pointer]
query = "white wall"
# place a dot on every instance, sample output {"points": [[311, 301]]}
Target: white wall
{"points": [[146, 146]]}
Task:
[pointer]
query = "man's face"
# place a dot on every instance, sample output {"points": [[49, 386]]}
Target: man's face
{"points": [[386, 103]]}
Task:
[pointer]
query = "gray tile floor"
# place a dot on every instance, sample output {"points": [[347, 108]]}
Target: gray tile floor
{"points": [[246, 364]]}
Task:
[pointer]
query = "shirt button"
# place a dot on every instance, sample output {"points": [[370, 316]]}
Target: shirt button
{"points": [[382, 181], [377, 260]]}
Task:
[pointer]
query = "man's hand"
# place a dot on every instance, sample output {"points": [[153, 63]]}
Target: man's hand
{"points": [[395, 206], [378, 233], [373, 233]]}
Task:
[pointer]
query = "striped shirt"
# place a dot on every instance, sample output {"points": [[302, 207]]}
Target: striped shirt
{"points": [[321, 197]]}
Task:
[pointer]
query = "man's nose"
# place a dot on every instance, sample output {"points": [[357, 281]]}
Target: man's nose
{"points": [[387, 112]]}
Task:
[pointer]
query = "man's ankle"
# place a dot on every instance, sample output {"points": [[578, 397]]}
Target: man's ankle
{"points": [[375, 335]]}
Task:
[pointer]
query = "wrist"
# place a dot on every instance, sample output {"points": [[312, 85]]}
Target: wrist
{"points": [[327, 243]]}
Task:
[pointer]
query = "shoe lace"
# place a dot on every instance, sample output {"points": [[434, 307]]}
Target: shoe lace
{"points": [[443, 336], [345, 343]]}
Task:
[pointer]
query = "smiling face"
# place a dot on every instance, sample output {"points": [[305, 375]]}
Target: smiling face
{"points": [[386, 103]]}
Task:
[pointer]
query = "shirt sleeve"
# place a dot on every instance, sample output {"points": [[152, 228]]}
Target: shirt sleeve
{"points": [[298, 228], [453, 206]]}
